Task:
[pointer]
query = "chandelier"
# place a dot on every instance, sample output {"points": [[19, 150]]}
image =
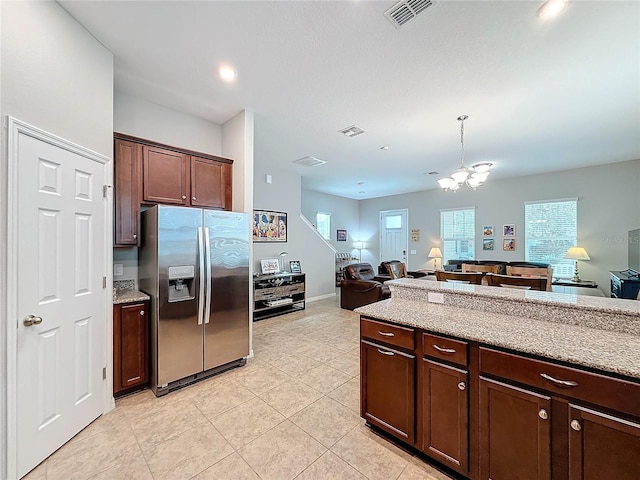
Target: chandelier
{"points": [[471, 177]]}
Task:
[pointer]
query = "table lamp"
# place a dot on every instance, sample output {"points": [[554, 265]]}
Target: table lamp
{"points": [[576, 253], [435, 253]]}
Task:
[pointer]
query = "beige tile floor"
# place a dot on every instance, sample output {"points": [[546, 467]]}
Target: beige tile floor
{"points": [[291, 412]]}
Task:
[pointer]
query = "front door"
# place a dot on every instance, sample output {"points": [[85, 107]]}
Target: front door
{"points": [[60, 298], [393, 235]]}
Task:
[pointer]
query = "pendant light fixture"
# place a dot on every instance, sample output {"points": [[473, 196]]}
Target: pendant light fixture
{"points": [[472, 177]]}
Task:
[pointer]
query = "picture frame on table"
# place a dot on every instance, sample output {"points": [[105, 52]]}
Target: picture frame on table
{"points": [[269, 266], [294, 266], [269, 226], [341, 235], [509, 230]]}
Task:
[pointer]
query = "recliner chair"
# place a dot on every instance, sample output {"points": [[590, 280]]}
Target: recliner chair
{"points": [[358, 287]]}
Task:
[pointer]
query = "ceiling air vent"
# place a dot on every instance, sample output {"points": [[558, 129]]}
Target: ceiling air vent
{"points": [[352, 131], [309, 162], [404, 11]]}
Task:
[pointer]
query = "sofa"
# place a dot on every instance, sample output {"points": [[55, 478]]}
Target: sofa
{"points": [[359, 288]]}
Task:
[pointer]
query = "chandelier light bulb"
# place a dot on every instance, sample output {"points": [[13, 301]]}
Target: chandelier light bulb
{"points": [[482, 167], [460, 175]]}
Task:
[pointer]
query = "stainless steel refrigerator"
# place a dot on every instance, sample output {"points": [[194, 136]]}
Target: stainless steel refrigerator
{"points": [[194, 264]]}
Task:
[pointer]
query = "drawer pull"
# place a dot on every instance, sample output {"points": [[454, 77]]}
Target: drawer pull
{"points": [[543, 414], [562, 383], [385, 352], [449, 351], [575, 424], [386, 334]]}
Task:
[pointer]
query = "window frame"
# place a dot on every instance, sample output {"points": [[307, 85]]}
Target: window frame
{"points": [[465, 237], [558, 244], [328, 223]]}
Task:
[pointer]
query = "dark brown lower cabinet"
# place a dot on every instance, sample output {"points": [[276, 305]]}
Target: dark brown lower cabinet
{"points": [[445, 417], [388, 389], [602, 446], [515, 433], [130, 347], [491, 414]]}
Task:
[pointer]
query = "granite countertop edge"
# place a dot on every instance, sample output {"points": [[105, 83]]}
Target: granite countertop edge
{"points": [[562, 300], [129, 296], [584, 346]]}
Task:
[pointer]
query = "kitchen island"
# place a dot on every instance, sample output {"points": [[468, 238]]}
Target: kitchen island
{"points": [[502, 383]]}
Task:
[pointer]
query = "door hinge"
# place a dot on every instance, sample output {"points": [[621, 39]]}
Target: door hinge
{"points": [[104, 282], [105, 190], [104, 373]]}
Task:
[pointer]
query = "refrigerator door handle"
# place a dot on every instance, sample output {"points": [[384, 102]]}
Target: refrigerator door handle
{"points": [[207, 305], [202, 277]]}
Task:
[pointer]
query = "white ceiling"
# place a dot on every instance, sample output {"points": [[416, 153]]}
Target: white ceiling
{"points": [[540, 95]]}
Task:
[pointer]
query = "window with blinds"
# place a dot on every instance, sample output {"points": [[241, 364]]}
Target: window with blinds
{"points": [[457, 234], [550, 228]]}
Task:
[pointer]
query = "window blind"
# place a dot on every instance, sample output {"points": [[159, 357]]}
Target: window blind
{"points": [[457, 234], [550, 229]]}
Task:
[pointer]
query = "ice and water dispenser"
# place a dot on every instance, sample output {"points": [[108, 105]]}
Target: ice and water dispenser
{"points": [[181, 283]]}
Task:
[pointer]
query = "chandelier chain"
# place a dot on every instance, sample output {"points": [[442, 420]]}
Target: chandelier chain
{"points": [[462, 142]]}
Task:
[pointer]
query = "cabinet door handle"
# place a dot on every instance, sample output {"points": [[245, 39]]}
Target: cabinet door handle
{"points": [[385, 352], [386, 334], [141, 312], [449, 351], [562, 383], [193, 198], [575, 424], [543, 414], [462, 386], [135, 236], [184, 197]]}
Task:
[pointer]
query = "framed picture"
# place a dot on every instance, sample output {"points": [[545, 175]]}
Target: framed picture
{"points": [[509, 230], [342, 235], [487, 243], [487, 231], [508, 244], [269, 226], [294, 266], [269, 265]]}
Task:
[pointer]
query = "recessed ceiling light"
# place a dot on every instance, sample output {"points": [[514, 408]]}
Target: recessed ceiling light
{"points": [[228, 74], [551, 8]]}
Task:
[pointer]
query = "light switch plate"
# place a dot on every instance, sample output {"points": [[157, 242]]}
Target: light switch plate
{"points": [[413, 252], [118, 270], [435, 297]]}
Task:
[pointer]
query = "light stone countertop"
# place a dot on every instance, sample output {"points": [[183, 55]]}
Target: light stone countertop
{"points": [[590, 347], [129, 296], [124, 291]]}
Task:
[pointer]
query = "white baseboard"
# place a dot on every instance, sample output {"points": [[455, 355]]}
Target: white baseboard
{"points": [[321, 297]]}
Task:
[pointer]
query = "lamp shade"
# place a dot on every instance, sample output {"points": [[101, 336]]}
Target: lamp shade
{"points": [[435, 253], [577, 253]]}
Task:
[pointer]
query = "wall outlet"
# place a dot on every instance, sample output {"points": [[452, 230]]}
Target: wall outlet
{"points": [[435, 297], [413, 252], [118, 270]]}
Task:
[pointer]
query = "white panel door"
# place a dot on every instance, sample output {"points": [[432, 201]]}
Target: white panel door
{"points": [[60, 245], [393, 235]]}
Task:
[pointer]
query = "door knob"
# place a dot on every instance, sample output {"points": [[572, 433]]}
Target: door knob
{"points": [[31, 320]]}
